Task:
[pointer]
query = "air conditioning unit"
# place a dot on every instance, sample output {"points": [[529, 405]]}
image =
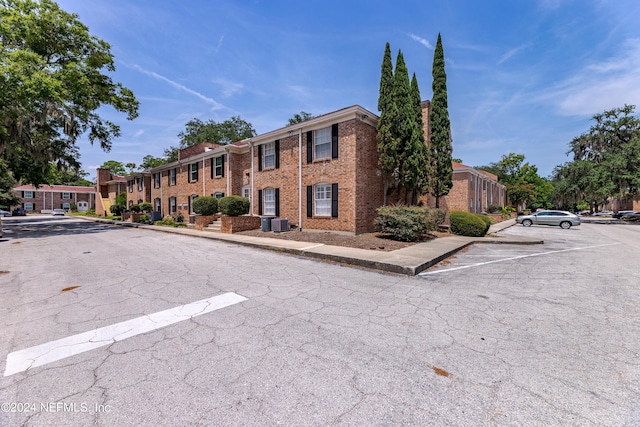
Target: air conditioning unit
{"points": [[280, 225]]}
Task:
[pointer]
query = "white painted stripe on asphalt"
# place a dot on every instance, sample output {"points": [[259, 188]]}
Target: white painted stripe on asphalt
{"points": [[39, 355], [312, 246], [515, 257]]}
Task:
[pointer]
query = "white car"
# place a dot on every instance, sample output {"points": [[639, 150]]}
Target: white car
{"points": [[57, 212]]}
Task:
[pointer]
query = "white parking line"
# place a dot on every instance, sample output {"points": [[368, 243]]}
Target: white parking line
{"points": [[512, 258], [21, 360]]}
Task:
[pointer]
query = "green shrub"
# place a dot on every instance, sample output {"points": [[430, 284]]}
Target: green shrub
{"points": [[406, 223], [73, 207], [435, 218], [135, 208], [207, 205], [168, 219], [121, 199], [234, 205], [146, 207], [487, 220], [178, 217], [468, 224], [494, 208], [116, 209], [144, 219]]}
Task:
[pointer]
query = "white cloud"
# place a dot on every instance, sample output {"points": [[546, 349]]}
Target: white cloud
{"points": [[219, 45], [229, 88], [138, 133], [513, 52], [422, 41], [604, 85], [216, 105]]}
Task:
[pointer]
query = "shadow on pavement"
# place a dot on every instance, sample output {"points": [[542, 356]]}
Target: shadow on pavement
{"points": [[45, 226]]}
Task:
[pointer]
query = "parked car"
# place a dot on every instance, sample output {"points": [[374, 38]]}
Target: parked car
{"points": [[57, 212], [632, 216], [19, 212], [621, 214], [562, 218], [4, 213], [602, 213]]}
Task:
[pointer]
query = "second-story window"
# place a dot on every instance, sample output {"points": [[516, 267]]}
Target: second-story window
{"points": [[193, 172], [322, 143], [156, 180], [172, 176], [269, 152], [66, 196]]}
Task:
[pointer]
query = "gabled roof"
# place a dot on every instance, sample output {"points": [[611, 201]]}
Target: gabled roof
{"points": [[56, 188]]}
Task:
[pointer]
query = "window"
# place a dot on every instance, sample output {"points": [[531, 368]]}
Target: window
{"points": [[172, 204], [156, 205], [218, 195], [269, 152], [140, 201], [130, 185], [246, 191], [217, 167], [322, 143], [66, 196], [322, 200], [130, 203], [193, 172], [28, 194], [140, 182], [269, 202], [28, 206], [66, 206], [172, 176], [156, 180]]}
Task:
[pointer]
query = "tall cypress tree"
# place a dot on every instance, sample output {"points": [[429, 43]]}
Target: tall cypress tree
{"points": [[386, 106], [420, 151], [405, 125], [440, 142]]}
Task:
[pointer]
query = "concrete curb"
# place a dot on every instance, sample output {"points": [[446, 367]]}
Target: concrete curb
{"points": [[410, 260]]}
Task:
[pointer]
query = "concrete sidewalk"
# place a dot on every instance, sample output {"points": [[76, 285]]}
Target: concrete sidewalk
{"points": [[410, 260]]}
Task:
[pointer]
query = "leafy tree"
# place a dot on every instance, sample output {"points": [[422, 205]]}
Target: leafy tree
{"points": [[227, 132], [457, 160], [386, 122], [300, 117], [171, 154], [524, 185], [612, 145], [116, 167], [440, 141], [68, 176], [150, 162], [7, 182], [405, 125], [54, 76]]}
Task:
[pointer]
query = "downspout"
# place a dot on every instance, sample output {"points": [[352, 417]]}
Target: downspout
{"points": [[300, 179], [228, 172], [204, 179], [251, 193]]}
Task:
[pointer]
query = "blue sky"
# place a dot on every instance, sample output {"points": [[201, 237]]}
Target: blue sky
{"points": [[522, 76]]}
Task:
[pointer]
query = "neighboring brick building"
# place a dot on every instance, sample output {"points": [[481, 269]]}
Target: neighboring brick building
{"points": [[45, 198], [108, 187], [321, 174]]}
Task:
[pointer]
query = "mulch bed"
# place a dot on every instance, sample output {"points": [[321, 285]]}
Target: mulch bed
{"points": [[370, 241]]}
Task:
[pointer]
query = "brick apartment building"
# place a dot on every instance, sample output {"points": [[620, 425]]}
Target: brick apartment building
{"points": [[45, 198], [320, 174], [108, 186]]}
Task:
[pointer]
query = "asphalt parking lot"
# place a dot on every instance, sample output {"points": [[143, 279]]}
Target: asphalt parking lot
{"points": [[159, 329]]}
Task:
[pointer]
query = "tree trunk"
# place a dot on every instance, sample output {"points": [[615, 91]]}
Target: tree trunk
{"points": [[437, 202]]}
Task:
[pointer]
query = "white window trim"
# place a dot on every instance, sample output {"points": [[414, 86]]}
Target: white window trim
{"points": [[246, 191], [322, 143], [172, 177], [28, 194], [269, 201], [322, 205], [269, 155], [28, 206], [66, 196], [216, 166], [66, 206], [193, 169]]}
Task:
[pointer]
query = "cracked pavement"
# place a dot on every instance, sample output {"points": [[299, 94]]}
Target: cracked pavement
{"points": [[540, 340]]}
